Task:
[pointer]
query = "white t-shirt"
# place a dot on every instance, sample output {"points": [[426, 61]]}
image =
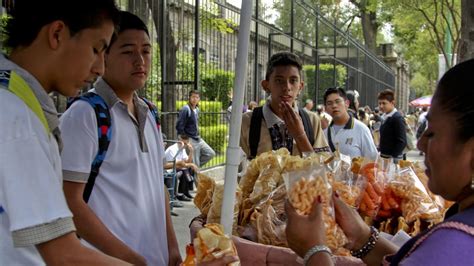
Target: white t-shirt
{"points": [[171, 152], [128, 195], [33, 209], [354, 139]]}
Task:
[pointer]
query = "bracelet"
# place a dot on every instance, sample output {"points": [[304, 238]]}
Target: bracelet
{"points": [[314, 250], [362, 252]]}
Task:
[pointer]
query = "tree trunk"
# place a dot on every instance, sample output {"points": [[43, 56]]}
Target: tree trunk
{"points": [[466, 47], [369, 28], [168, 91]]}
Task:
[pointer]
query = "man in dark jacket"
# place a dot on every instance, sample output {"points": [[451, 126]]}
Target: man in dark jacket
{"points": [[187, 125], [393, 138]]}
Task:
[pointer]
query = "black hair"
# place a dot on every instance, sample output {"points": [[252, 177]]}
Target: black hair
{"points": [[283, 59], [330, 91], [29, 16], [387, 94], [351, 96], [128, 21], [191, 92], [455, 94]]}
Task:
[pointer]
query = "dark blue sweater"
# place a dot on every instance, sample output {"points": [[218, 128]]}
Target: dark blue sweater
{"points": [[187, 123], [393, 136]]}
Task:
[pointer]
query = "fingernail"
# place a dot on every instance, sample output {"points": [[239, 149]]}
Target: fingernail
{"points": [[319, 199]]}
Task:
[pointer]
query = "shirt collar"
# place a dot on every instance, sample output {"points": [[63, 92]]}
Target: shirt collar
{"points": [[103, 89], [348, 125], [270, 117], [385, 116], [46, 103]]}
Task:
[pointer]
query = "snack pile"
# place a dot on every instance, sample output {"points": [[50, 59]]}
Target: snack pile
{"points": [[388, 196]]}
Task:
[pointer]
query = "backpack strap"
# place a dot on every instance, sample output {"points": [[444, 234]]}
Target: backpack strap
{"points": [[154, 111], [256, 123], [254, 130], [308, 128], [14, 83], [104, 129]]}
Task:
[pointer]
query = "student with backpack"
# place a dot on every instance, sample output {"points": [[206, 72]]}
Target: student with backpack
{"points": [[55, 46], [279, 123], [122, 207]]}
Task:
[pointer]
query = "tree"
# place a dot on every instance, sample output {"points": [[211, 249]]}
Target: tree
{"points": [[466, 47]]}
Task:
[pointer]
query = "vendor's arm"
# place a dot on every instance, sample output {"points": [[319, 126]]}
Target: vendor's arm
{"points": [[358, 233]]}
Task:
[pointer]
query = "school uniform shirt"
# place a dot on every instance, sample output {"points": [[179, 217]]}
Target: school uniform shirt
{"points": [[271, 120], [128, 195], [33, 209], [352, 139]]}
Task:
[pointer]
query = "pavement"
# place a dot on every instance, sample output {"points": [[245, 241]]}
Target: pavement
{"points": [[189, 211]]}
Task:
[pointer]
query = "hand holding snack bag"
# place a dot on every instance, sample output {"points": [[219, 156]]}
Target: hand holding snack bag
{"points": [[304, 187]]}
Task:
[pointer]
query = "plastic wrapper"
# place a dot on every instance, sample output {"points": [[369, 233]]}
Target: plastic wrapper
{"points": [[374, 188], [303, 187], [268, 219], [415, 200], [203, 198], [348, 185], [214, 214], [211, 243]]}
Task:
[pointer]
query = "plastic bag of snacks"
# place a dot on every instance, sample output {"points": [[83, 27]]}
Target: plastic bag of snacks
{"points": [[303, 187], [415, 200], [348, 185], [214, 214]]}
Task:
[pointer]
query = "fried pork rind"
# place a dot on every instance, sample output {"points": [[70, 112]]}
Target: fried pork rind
{"points": [[416, 202], [303, 187], [211, 243], [203, 198], [214, 214], [269, 219]]}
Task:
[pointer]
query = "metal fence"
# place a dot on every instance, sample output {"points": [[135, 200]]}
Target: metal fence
{"points": [[195, 46], [197, 41]]}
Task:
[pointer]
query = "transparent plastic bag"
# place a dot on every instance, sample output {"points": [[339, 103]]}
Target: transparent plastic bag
{"points": [[214, 214], [303, 187], [415, 200], [349, 186]]}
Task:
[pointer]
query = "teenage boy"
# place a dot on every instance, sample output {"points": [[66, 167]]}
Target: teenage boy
{"points": [[349, 135], [127, 215], [185, 168], [187, 124], [393, 138], [279, 123], [55, 46]]}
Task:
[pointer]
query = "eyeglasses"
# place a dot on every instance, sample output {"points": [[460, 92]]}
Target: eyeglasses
{"points": [[337, 102]]}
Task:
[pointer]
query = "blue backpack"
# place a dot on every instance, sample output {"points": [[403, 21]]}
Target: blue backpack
{"points": [[104, 128]]}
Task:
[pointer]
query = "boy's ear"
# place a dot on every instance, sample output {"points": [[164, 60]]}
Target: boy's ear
{"points": [[56, 33], [265, 84]]}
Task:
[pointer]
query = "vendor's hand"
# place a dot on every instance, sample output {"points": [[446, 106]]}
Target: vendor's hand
{"points": [[356, 230], [292, 120], [281, 256], [304, 232]]}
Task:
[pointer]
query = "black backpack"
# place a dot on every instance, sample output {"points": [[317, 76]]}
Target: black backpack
{"points": [[256, 124]]}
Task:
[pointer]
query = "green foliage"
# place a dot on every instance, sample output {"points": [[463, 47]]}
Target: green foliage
{"points": [[326, 80], [214, 136], [208, 112], [210, 18], [216, 85]]}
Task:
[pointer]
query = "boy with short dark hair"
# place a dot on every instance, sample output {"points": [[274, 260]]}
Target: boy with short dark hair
{"points": [[393, 139], [127, 214], [280, 123], [56, 46]]}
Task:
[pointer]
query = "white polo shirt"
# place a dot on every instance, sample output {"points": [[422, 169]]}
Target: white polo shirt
{"points": [[128, 195], [33, 209], [354, 139], [171, 152]]}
